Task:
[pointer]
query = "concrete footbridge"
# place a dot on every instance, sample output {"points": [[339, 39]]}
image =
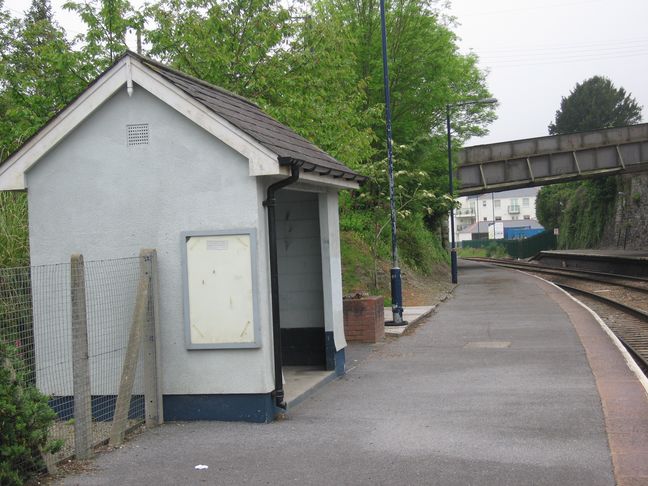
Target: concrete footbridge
{"points": [[552, 159]]}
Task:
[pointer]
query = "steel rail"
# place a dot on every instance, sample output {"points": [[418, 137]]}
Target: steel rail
{"points": [[589, 275], [641, 314], [569, 269], [633, 343]]}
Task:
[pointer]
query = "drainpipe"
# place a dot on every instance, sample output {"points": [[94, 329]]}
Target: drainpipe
{"points": [[270, 203]]}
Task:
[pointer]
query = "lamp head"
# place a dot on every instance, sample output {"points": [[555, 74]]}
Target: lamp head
{"points": [[482, 101]]}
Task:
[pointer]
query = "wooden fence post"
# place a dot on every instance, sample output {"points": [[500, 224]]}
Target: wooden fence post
{"points": [[122, 406], [80, 361], [151, 345]]}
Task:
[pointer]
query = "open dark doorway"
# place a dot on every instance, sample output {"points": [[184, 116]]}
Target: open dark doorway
{"points": [[301, 300]]}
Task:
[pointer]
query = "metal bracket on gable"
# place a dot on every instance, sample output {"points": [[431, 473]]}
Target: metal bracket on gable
{"points": [[129, 77]]}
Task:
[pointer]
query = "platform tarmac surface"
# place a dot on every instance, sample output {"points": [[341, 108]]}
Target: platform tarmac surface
{"points": [[493, 389]]}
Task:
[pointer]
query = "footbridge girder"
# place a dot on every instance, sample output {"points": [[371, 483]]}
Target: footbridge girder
{"points": [[552, 159]]}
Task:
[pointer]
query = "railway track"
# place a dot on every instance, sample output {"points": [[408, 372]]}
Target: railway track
{"points": [[622, 302]]}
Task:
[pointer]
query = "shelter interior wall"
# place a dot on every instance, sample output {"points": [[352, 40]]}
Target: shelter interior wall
{"points": [[301, 301]]}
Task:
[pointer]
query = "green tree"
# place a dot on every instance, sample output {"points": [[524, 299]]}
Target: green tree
{"points": [[39, 10], [297, 63], [235, 44], [426, 72], [315, 66], [551, 202], [595, 104], [582, 209], [319, 94], [107, 22], [40, 74]]}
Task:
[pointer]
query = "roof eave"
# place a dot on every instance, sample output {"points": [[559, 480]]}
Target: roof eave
{"points": [[310, 167]]}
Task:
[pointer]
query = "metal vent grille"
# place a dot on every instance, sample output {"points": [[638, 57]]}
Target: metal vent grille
{"points": [[138, 134]]}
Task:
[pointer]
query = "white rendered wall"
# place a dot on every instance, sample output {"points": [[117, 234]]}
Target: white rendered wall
{"points": [[332, 266], [486, 207], [95, 195]]}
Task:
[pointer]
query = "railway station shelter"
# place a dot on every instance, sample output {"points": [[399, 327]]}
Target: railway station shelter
{"points": [[148, 157]]}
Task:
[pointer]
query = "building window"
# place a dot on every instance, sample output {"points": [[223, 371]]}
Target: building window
{"points": [[498, 203], [485, 218], [515, 217], [498, 218], [525, 202], [484, 203], [526, 216]]}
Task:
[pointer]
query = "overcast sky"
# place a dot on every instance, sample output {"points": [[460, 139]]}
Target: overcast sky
{"points": [[535, 52]]}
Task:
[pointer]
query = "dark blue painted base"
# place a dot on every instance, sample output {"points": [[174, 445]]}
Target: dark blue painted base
{"points": [[257, 408], [334, 359], [340, 361]]}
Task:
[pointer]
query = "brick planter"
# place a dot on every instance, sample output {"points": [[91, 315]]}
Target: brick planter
{"points": [[364, 319]]}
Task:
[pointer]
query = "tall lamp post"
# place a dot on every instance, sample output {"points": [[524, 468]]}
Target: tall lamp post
{"points": [[453, 247], [396, 286]]}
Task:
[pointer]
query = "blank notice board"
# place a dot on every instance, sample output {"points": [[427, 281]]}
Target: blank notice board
{"points": [[220, 289]]}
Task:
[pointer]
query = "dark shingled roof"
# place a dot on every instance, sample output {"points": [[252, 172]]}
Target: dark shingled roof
{"points": [[250, 119]]}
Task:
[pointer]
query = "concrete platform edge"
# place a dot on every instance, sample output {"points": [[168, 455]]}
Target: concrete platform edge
{"points": [[630, 362], [622, 389]]}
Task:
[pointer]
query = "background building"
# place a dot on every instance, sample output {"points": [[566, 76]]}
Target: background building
{"points": [[515, 209]]}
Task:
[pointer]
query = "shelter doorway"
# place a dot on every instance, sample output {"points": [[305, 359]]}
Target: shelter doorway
{"points": [[301, 297]]}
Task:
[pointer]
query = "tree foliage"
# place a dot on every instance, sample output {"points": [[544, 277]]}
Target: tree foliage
{"points": [[25, 418], [39, 72], [295, 63], [551, 202], [595, 104], [107, 22], [580, 210], [315, 65], [235, 44], [426, 72]]}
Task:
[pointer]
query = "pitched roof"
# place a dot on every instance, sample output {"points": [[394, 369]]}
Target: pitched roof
{"points": [[246, 116], [249, 118]]}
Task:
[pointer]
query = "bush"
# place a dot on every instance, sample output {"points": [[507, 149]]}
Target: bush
{"points": [[469, 252], [493, 250], [14, 235], [418, 247], [588, 210], [25, 418]]}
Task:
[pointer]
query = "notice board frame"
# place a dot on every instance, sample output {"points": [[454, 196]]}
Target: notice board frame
{"points": [[251, 233]]}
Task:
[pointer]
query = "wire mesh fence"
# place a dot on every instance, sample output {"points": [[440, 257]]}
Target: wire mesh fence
{"points": [[70, 341]]}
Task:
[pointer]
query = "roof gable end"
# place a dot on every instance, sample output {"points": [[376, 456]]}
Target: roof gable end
{"points": [[267, 144]]}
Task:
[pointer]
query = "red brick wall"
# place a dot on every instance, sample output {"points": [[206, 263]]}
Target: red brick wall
{"points": [[364, 319]]}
